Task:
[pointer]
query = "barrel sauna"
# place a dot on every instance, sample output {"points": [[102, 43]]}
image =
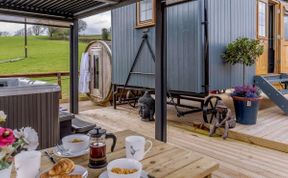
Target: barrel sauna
{"points": [[100, 56]]}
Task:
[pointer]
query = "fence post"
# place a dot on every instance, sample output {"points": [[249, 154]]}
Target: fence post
{"points": [[59, 83]]}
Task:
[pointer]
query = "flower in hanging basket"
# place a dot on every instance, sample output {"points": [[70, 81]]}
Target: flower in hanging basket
{"points": [[246, 91]]}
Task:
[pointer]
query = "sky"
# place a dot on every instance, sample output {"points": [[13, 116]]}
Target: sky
{"points": [[95, 24]]}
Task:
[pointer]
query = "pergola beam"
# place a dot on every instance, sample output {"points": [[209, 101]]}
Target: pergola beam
{"points": [[34, 15], [103, 8], [109, 1]]}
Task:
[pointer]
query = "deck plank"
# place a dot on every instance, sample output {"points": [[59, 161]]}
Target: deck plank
{"points": [[237, 159]]}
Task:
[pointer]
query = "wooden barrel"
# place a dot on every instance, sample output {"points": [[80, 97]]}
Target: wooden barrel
{"points": [[100, 56]]}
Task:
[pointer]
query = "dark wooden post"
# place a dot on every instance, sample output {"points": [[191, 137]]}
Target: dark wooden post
{"points": [[161, 76], [74, 108], [59, 81]]}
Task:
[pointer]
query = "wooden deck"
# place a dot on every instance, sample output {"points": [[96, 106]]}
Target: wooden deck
{"points": [[271, 130], [237, 159]]}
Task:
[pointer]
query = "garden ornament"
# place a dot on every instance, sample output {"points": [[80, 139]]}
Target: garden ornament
{"points": [[224, 119], [146, 107]]}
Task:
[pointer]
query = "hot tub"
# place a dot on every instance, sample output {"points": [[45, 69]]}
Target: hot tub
{"points": [[31, 103]]}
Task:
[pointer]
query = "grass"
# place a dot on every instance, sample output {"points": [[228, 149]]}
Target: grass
{"points": [[44, 55]]}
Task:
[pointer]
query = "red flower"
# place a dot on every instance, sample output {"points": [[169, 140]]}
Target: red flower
{"points": [[6, 137]]}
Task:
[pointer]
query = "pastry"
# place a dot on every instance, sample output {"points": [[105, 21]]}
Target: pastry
{"points": [[64, 166], [71, 176], [44, 175]]}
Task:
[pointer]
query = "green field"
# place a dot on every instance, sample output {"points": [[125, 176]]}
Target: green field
{"points": [[44, 55]]}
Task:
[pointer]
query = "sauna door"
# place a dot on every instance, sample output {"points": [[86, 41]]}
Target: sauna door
{"points": [[284, 40], [262, 33], [96, 62]]}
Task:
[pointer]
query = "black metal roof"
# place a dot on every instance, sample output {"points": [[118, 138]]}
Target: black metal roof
{"points": [[58, 9]]}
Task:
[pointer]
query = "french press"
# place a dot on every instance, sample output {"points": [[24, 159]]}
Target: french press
{"points": [[97, 158]]}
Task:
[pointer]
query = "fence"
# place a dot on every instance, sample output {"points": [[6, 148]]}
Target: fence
{"points": [[57, 75]]}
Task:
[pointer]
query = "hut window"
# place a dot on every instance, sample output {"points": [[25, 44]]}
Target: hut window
{"points": [[145, 13], [286, 26], [262, 19]]}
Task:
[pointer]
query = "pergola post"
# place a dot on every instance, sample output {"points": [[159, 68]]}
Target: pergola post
{"points": [[74, 108], [25, 40], [161, 75]]}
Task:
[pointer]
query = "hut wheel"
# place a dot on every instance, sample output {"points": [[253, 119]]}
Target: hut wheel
{"points": [[209, 108], [131, 98]]}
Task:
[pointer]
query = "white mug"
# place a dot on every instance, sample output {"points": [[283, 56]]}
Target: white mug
{"points": [[135, 147]]}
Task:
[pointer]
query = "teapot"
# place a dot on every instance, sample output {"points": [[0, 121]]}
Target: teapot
{"points": [[97, 156]]}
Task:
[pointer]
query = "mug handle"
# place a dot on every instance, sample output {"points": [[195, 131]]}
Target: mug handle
{"points": [[150, 147]]}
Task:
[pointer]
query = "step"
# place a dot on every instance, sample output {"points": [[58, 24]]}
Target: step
{"points": [[279, 80], [272, 92], [284, 92]]}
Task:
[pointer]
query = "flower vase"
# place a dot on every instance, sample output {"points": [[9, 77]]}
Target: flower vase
{"points": [[6, 172]]}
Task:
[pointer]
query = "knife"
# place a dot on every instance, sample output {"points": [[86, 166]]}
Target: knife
{"points": [[50, 157]]}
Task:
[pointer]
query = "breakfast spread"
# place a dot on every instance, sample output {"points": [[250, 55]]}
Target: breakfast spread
{"points": [[123, 171], [61, 170]]}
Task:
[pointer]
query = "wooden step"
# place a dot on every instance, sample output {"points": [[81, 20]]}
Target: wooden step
{"points": [[284, 92], [280, 80]]}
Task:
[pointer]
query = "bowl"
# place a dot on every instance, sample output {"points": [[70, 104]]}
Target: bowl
{"points": [[76, 142], [124, 163]]}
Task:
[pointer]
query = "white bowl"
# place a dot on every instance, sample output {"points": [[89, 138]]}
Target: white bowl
{"points": [[78, 146], [124, 163]]}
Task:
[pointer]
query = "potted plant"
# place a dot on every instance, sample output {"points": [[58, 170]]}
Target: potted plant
{"points": [[12, 143], [246, 98]]}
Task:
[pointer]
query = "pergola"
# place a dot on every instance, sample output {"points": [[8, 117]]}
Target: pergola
{"points": [[65, 13]]}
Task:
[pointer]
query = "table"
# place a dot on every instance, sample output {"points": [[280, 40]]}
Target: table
{"points": [[163, 161]]}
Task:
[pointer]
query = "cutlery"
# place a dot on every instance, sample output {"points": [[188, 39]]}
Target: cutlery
{"points": [[63, 151], [50, 157]]}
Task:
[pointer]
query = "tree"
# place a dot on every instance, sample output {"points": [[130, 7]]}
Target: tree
{"points": [[243, 51], [19, 32], [38, 29], [4, 33], [82, 25], [105, 34], [52, 31]]}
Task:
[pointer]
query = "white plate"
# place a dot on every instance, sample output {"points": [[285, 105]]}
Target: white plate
{"points": [[105, 175], [79, 170], [71, 155]]}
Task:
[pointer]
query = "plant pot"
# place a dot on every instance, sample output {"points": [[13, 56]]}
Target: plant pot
{"points": [[246, 110], [6, 172]]}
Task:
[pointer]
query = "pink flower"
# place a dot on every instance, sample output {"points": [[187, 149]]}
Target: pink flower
{"points": [[6, 137]]}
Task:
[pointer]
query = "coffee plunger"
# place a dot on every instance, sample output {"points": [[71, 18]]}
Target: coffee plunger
{"points": [[97, 157]]}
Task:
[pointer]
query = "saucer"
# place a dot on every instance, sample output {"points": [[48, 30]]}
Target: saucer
{"points": [[78, 170], [105, 175], [58, 153]]}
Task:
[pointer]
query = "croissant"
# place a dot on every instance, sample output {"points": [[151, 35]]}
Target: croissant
{"points": [[71, 176], [46, 175], [64, 166]]}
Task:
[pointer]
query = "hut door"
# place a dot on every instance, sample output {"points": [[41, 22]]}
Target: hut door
{"points": [[97, 63], [262, 27], [284, 40]]}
